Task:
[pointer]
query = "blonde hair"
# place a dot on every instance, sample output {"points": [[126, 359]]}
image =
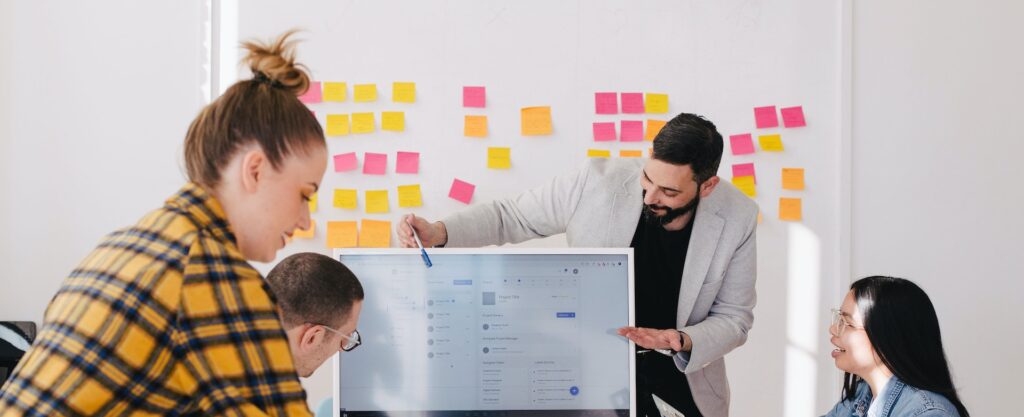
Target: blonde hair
{"points": [[264, 109]]}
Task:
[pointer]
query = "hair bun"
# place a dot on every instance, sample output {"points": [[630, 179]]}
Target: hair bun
{"points": [[276, 62]]}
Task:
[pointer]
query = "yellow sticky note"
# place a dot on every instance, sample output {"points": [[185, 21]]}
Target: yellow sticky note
{"points": [[536, 121], [403, 92], [745, 184], [363, 123], [656, 103], [342, 234], [337, 124], [305, 234], [771, 143], [375, 234], [393, 121], [346, 199], [410, 196], [377, 201], [475, 127], [792, 178], [790, 209], [312, 203], [499, 158], [335, 92], [625, 153], [653, 127], [599, 153], [365, 93]]}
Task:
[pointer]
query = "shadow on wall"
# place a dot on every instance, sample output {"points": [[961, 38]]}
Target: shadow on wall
{"points": [[785, 361]]}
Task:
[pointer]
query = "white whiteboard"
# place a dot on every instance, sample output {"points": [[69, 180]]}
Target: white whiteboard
{"points": [[719, 59]]}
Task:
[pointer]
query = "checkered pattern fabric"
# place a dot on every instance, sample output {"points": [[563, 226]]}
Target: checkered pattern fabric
{"points": [[163, 318]]}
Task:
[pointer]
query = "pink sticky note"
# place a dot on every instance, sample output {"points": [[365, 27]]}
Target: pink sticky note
{"points": [[765, 117], [313, 95], [474, 97], [375, 163], [604, 131], [742, 144], [462, 191], [632, 102], [632, 130], [345, 162], [606, 103], [793, 116], [408, 163], [744, 170]]}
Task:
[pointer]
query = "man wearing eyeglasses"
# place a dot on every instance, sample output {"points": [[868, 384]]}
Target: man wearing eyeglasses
{"points": [[320, 300]]}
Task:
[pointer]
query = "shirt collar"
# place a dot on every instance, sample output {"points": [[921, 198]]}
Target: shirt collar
{"points": [[196, 203]]}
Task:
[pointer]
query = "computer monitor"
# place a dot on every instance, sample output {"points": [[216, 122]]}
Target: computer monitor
{"points": [[490, 332]]}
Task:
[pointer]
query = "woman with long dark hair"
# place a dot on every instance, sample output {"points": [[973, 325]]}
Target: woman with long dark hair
{"points": [[888, 342]]}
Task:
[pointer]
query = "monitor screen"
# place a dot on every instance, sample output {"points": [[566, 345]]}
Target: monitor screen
{"points": [[489, 332]]}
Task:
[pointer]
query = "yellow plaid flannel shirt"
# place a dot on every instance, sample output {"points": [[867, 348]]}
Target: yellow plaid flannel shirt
{"points": [[163, 318]]}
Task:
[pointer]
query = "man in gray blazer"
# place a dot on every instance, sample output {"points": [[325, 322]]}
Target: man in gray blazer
{"points": [[694, 245]]}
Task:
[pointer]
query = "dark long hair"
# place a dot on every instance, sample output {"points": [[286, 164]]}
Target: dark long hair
{"points": [[901, 324]]}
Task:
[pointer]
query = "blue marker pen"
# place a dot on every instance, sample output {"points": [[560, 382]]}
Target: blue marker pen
{"points": [[423, 252]]}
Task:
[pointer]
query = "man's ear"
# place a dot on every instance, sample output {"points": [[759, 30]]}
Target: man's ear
{"points": [[253, 165], [311, 336], [708, 186]]}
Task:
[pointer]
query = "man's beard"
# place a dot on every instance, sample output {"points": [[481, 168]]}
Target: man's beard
{"points": [[671, 214]]}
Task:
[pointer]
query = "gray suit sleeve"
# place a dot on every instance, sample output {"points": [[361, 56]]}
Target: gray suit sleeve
{"points": [[732, 313], [540, 212]]}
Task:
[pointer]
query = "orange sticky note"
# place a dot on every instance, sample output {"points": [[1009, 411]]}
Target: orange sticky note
{"points": [[790, 209], [653, 127], [656, 103], [337, 92], [363, 123], [375, 234], [792, 178], [536, 121], [771, 143], [312, 203], [365, 93], [410, 196], [499, 158], [746, 185], [599, 153], [342, 234], [475, 127], [403, 92], [346, 199], [305, 234], [337, 124], [625, 153], [393, 121], [377, 201]]}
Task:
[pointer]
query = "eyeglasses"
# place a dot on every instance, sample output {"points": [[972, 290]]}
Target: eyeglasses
{"points": [[840, 322], [352, 341]]}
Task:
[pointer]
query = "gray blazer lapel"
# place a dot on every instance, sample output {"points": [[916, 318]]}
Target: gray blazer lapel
{"points": [[625, 212], [707, 232]]}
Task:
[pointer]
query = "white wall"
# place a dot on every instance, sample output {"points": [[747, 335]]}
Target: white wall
{"points": [[98, 96], [937, 148]]}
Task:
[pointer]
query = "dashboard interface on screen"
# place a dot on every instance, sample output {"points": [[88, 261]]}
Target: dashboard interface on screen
{"points": [[489, 333]]}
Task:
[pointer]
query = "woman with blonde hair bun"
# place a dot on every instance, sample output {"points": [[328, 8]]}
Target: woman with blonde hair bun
{"points": [[167, 317]]}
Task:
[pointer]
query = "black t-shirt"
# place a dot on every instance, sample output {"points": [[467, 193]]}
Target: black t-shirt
{"points": [[659, 257]]}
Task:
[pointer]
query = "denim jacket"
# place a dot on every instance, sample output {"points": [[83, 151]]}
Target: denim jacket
{"points": [[901, 400]]}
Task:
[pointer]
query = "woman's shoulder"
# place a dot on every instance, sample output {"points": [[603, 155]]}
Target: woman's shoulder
{"points": [[856, 406], [916, 402]]}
